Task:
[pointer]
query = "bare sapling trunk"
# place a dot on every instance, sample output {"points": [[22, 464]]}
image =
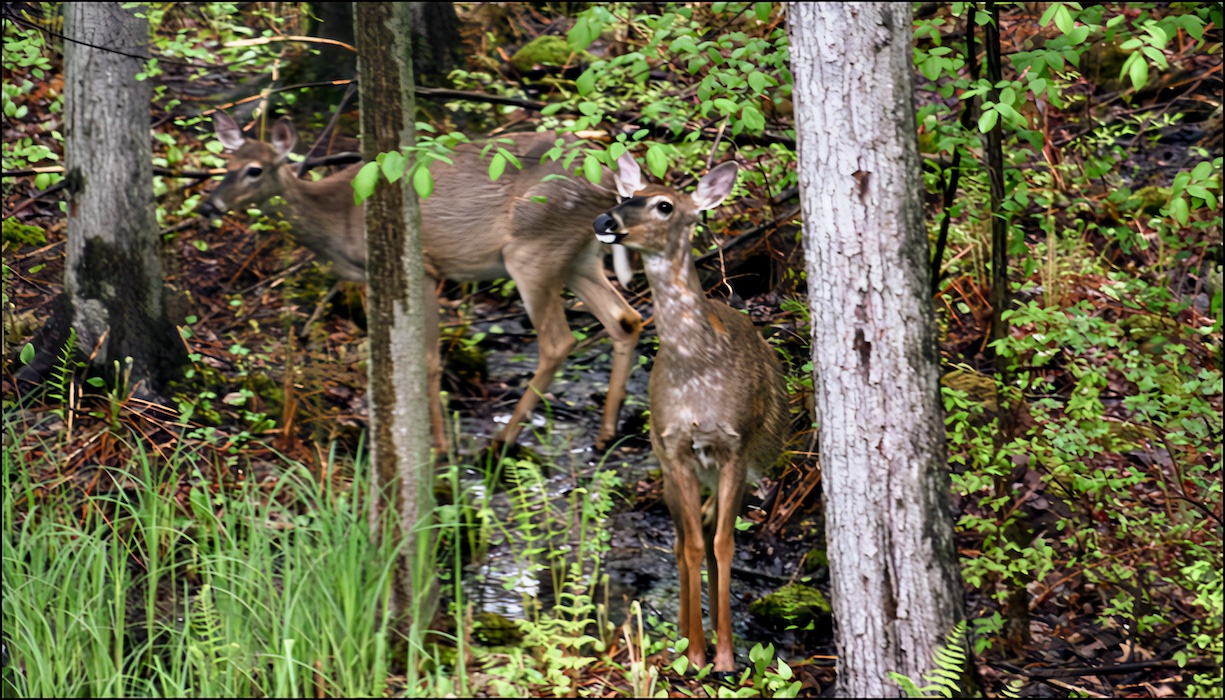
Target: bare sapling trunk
{"points": [[402, 475], [893, 566]]}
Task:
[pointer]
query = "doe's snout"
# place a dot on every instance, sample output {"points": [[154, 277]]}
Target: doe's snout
{"points": [[606, 228], [207, 209]]}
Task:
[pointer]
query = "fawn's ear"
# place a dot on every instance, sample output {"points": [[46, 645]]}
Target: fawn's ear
{"points": [[227, 131], [284, 137], [715, 186], [629, 176]]}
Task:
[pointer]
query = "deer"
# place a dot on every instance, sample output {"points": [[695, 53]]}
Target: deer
{"points": [[531, 225], [718, 399]]}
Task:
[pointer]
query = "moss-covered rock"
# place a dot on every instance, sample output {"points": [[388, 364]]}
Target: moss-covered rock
{"points": [[494, 630], [468, 362], [1151, 199], [23, 234], [547, 51], [1101, 64], [979, 387], [793, 604], [815, 559]]}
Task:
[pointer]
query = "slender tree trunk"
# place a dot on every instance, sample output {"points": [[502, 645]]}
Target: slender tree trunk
{"points": [[893, 566], [1016, 612], [113, 289], [402, 469], [438, 47]]}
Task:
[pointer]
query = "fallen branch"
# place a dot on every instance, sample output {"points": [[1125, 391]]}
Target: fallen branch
{"points": [[303, 39]]}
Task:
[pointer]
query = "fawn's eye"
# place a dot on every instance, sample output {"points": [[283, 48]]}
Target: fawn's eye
{"points": [[254, 171], [664, 207]]}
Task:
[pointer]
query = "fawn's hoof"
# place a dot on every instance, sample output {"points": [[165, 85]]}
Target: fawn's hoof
{"points": [[724, 677]]}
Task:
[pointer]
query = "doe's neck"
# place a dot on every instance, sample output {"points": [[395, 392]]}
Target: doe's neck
{"points": [[682, 314]]}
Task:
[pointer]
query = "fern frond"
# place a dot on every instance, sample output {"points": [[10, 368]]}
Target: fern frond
{"points": [[62, 371], [944, 680], [1012, 689]]}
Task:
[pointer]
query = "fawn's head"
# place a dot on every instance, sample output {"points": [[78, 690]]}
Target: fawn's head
{"points": [[655, 218], [250, 178]]}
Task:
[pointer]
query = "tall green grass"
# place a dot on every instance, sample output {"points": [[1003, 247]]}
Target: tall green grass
{"points": [[229, 593]]}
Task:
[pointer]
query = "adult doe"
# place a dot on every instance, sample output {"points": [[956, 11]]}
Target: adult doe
{"points": [[522, 226], [718, 398]]}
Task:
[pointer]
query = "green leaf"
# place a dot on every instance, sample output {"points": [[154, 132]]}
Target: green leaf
{"points": [[1157, 57], [96, 382], [1193, 26], [1202, 171], [1078, 35], [757, 81], [763, 10], [364, 182], [423, 182], [584, 31], [511, 157], [1198, 191], [1010, 114], [553, 108], [585, 82], [986, 121], [657, 161], [27, 353], [41, 181], [1063, 19], [1008, 96], [1049, 14], [1179, 210], [683, 44], [1138, 72], [615, 149], [753, 120], [1159, 36], [591, 168], [681, 664], [496, 166], [930, 68], [393, 165]]}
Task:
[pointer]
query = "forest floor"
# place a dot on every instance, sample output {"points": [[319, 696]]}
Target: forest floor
{"points": [[278, 383]]}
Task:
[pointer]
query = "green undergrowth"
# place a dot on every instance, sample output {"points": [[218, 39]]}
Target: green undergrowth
{"points": [[147, 577], [147, 589]]}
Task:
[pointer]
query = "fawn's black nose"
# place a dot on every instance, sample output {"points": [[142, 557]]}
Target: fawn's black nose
{"points": [[606, 228], [207, 210]]}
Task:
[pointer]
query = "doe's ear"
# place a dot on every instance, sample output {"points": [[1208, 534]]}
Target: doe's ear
{"points": [[629, 176], [228, 131], [284, 137], [715, 186]]}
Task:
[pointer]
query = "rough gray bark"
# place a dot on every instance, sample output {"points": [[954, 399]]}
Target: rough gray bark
{"points": [[893, 566], [402, 467], [113, 291]]}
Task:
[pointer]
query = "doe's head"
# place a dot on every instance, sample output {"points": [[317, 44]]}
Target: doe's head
{"points": [[250, 178], [650, 217]]}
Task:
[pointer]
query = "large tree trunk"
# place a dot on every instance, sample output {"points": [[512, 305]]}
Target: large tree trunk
{"points": [[402, 469], [113, 289], [893, 566]]}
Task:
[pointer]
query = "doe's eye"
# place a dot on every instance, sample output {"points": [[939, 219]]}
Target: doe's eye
{"points": [[664, 207], [254, 171]]}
